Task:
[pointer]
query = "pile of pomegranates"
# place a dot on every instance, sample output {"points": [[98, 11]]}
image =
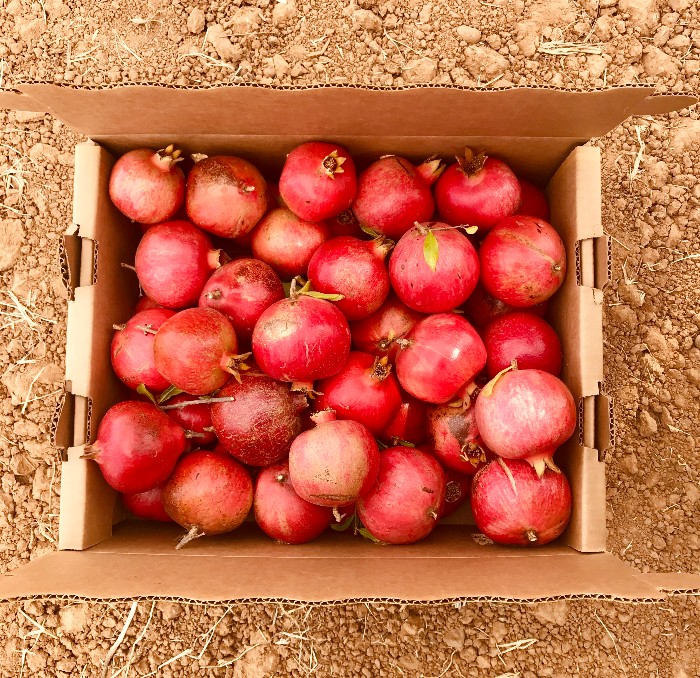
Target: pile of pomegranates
{"points": [[360, 351]]}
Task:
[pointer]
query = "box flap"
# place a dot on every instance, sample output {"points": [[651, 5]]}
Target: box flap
{"points": [[17, 101], [674, 581], [660, 104]]}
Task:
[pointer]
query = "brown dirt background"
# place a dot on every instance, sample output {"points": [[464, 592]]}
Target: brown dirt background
{"points": [[652, 325]]}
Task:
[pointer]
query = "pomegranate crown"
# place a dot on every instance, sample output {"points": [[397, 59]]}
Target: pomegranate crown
{"points": [[332, 164], [471, 162], [169, 156]]}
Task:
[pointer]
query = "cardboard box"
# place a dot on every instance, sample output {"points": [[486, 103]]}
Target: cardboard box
{"points": [[541, 133]]}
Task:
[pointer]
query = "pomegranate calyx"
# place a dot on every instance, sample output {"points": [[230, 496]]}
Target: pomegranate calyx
{"points": [[403, 343], [472, 453], [234, 364], [280, 477], [346, 217], [194, 533], [118, 328], [433, 514], [531, 536], [215, 294], [332, 164], [168, 157], [431, 169], [453, 492], [381, 246], [90, 452], [488, 389], [542, 462], [323, 417], [305, 387], [381, 368], [470, 163]]}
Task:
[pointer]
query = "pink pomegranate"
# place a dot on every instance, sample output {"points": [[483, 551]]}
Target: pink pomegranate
{"points": [[354, 268], [391, 197], [193, 416], [364, 390], [333, 463], [147, 185], [132, 350], [208, 493], [526, 414], [258, 425], [136, 446], [378, 332], [534, 202], [481, 308], [147, 505], [523, 261], [197, 350], [409, 424], [318, 181], [281, 513], [438, 357], [286, 242], [345, 223], [173, 261], [405, 503], [226, 195], [477, 190], [242, 290], [457, 491], [434, 268], [512, 504], [525, 338], [145, 304]]}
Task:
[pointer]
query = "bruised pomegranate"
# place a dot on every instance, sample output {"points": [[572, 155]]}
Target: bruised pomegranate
{"points": [[534, 203], [457, 491], [147, 186], [354, 268], [196, 350], [281, 513], [513, 505], [193, 416], [526, 414], [260, 421], [481, 308], [333, 463], [208, 493], [136, 446], [364, 390], [409, 423], [318, 180], [477, 190], [173, 261], [242, 290], [525, 338], [147, 505], [405, 503], [286, 242], [523, 261], [132, 350], [226, 195], [439, 356], [434, 268]]}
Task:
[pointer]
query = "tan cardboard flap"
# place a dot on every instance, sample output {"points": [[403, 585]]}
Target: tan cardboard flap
{"points": [[659, 104], [17, 101], [674, 581]]}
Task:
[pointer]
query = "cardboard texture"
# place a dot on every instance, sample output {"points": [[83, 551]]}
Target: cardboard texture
{"points": [[541, 133]]}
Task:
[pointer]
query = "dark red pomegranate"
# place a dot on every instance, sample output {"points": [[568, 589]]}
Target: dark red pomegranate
{"points": [[242, 290], [173, 261], [457, 491], [477, 190], [147, 505], [281, 513], [434, 268], [409, 424], [136, 446], [481, 308], [364, 390], [345, 223], [226, 195], [405, 503], [147, 185], [534, 202], [354, 268], [513, 505], [132, 350], [438, 357], [286, 242], [193, 416], [523, 261], [318, 180]]}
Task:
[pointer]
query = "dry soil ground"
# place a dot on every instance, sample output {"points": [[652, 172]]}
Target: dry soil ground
{"points": [[651, 209]]}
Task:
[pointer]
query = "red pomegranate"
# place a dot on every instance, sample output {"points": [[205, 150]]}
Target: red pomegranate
{"points": [[534, 202], [147, 505], [193, 416], [144, 304], [345, 223], [457, 491], [481, 308], [409, 424]]}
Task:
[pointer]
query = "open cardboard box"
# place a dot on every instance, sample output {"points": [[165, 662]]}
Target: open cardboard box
{"points": [[541, 133]]}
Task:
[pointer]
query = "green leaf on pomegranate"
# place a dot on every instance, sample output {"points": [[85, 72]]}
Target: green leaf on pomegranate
{"points": [[368, 535], [404, 443], [141, 388], [341, 527], [430, 250], [169, 393], [323, 295], [370, 232]]}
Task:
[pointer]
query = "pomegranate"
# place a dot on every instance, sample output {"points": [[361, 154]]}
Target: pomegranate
{"points": [[136, 446], [512, 504], [409, 423], [430, 170], [345, 223], [132, 350], [457, 491], [226, 195], [242, 290], [196, 350], [481, 308], [144, 304], [525, 338], [438, 357], [301, 339], [378, 332], [147, 505], [286, 242], [526, 414], [147, 185], [281, 513], [173, 261], [523, 261], [404, 504], [193, 416], [391, 197], [434, 268], [534, 202], [333, 463], [208, 493], [260, 421], [364, 390], [477, 190], [354, 268], [318, 181]]}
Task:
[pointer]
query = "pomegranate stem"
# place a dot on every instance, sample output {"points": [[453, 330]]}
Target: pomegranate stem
{"points": [[193, 434], [200, 401], [129, 266], [89, 452], [119, 328], [146, 329], [193, 533]]}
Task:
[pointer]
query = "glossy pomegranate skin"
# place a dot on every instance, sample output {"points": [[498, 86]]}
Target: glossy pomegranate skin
{"points": [[481, 308], [147, 505], [410, 422], [534, 202]]}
